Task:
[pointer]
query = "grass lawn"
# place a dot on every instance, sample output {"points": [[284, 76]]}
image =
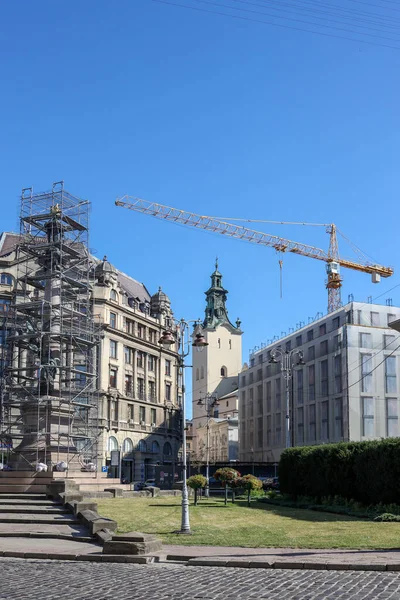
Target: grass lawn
{"points": [[215, 524]]}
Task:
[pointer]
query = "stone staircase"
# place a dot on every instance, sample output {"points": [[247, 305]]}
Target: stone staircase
{"points": [[17, 482]]}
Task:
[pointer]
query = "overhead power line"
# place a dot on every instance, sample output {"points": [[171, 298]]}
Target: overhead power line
{"points": [[283, 26]]}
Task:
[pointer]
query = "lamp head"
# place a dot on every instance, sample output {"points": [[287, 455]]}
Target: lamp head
{"points": [[167, 339], [199, 342]]}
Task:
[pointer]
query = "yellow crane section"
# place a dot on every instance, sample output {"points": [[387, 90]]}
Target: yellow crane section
{"points": [[280, 244]]}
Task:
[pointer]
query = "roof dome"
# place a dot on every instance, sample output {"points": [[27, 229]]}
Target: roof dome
{"points": [[160, 296], [105, 267]]}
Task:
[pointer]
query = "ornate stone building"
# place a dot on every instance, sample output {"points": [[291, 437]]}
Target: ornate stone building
{"points": [[140, 403]]}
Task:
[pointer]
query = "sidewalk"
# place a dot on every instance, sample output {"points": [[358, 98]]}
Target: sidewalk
{"points": [[287, 558], [38, 546]]}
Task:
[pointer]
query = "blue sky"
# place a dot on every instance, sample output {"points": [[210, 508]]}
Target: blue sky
{"points": [[214, 115]]}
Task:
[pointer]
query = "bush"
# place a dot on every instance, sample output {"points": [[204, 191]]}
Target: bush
{"points": [[196, 482], [226, 475], [367, 472]]}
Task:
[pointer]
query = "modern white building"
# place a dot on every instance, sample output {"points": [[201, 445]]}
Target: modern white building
{"points": [[347, 390], [215, 369]]}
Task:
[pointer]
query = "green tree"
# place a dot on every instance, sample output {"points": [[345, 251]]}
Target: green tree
{"points": [[249, 483], [196, 482], [227, 477]]}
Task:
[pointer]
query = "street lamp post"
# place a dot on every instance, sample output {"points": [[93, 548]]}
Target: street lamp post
{"points": [[287, 362], [167, 339], [209, 402]]}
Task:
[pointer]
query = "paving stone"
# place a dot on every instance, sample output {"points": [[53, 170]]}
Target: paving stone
{"points": [[84, 579]]}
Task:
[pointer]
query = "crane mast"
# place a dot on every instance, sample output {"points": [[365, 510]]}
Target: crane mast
{"points": [[331, 258]]}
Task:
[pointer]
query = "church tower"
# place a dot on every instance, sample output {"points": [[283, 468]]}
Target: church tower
{"points": [[215, 369]]}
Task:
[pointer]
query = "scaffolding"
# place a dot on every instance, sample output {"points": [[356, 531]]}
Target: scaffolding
{"points": [[48, 398]]}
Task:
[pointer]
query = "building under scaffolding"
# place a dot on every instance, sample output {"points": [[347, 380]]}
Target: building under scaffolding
{"points": [[49, 409]]}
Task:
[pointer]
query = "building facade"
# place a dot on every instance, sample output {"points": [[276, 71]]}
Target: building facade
{"points": [[347, 390], [140, 402], [216, 367], [223, 440]]}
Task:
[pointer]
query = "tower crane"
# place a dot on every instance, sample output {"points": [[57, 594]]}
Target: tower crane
{"points": [[331, 257]]}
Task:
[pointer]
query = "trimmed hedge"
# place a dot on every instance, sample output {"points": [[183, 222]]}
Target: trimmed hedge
{"points": [[365, 471]]}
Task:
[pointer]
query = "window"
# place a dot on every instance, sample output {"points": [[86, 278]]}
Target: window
{"points": [[392, 416], [168, 392], [140, 388], [368, 416], [251, 377], [388, 341], [131, 412], [201, 372], [128, 354], [322, 329], [242, 406], [288, 346], [230, 344], [269, 430], [337, 365], [390, 375], [259, 375], [313, 423], [300, 395], [259, 401], [324, 378], [113, 320], [251, 398], [390, 318], [6, 279], [152, 363], [299, 340], [168, 367], [336, 343], [366, 375], [278, 429], [113, 378], [323, 348], [310, 335], [311, 353], [127, 446], [300, 425], [153, 416], [113, 410], [375, 319], [152, 390], [130, 326], [128, 385], [259, 432], [252, 362], [336, 323], [338, 406], [140, 331], [260, 359], [113, 296], [197, 374], [140, 359], [324, 420], [142, 446], [278, 394], [167, 450], [113, 349], [269, 396], [155, 447], [153, 336], [223, 371], [311, 383], [365, 340], [142, 414], [112, 444]]}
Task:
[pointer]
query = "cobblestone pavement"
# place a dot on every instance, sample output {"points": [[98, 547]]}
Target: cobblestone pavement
{"points": [[56, 580]]}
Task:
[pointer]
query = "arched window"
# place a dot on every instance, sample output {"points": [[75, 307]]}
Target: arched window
{"points": [[155, 448], [127, 446], [112, 444], [113, 296], [223, 371], [142, 446], [167, 449], [197, 374], [202, 372], [6, 279]]}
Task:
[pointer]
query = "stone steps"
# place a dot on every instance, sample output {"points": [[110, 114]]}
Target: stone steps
{"points": [[33, 509], [7, 488], [37, 519], [8, 501], [25, 497]]}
